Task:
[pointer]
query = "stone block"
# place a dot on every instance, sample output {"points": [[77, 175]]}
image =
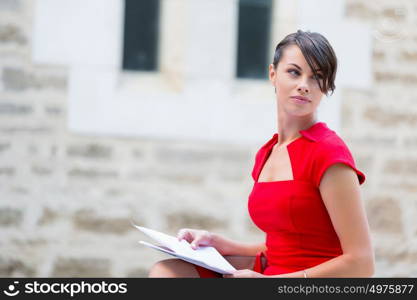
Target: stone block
{"points": [[182, 178], [373, 141], [138, 273], [388, 77], [10, 216], [26, 129], [183, 156], [13, 267], [19, 80], [88, 221], [409, 142], [7, 171], [390, 118], [12, 5], [4, 147], [53, 110], [10, 33], [48, 217], [41, 170], [409, 56], [401, 166], [394, 13], [378, 55], [138, 153], [90, 151], [15, 109], [20, 190], [193, 219], [234, 157], [359, 10], [92, 173], [81, 267], [385, 215]]}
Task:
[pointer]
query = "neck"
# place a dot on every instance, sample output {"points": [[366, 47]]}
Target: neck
{"points": [[289, 128]]}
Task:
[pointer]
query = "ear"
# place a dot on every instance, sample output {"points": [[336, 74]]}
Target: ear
{"points": [[272, 74]]}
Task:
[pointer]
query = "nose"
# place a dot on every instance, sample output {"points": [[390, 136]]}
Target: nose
{"points": [[303, 89]]}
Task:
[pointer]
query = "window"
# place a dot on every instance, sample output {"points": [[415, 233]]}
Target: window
{"points": [[141, 28], [253, 38]]}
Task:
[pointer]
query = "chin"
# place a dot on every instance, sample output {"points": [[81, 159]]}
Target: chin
{"points": [[298, 113]]}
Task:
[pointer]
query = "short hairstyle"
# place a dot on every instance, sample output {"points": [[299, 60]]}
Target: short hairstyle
{"points": [[318, 53]]}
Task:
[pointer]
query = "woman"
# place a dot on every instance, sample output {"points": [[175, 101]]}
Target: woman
{"points": [[306, 194]]}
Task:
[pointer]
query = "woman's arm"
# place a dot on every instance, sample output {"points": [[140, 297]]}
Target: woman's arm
{"points": [[230, 247], [340, 192], [225, 246]]}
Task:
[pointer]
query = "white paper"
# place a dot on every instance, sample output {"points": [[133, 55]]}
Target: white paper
{"points": [[204, 256]]}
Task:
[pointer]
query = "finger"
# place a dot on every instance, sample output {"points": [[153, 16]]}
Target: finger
{"points": [[180, 234], [203, 238], [183, 234], [195, 244], [197, 241]]}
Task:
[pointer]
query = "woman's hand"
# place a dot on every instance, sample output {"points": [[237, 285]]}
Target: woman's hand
{"points": [[195, 237], [246, 273]]}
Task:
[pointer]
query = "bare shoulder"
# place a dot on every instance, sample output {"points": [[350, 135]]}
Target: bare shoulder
{"points": [[340, 186], [339, 173]]}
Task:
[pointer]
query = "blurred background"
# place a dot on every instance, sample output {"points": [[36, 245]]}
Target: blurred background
{"points": [[151, 111]]}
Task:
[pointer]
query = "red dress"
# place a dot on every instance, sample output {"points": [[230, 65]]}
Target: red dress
{"points": [[299, 232]]}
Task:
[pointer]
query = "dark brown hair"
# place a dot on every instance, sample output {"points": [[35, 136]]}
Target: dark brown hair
{"points": [[318, 53]]}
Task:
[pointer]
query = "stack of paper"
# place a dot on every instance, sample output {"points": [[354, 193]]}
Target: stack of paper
{"points": [[207, 257]]}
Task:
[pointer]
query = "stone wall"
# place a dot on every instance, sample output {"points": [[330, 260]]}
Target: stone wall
{"points": [[380, 124], [68, 200]]}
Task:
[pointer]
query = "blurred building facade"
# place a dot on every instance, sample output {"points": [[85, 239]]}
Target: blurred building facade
{"points": [[87, 146]]}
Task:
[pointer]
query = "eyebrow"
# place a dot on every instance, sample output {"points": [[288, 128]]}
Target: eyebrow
{"points": [[298, 67]]}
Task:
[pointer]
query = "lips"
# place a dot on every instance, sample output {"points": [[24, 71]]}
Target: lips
{"points": [[301, 99]]}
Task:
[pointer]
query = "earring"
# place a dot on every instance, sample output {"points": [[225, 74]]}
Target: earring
{"points": [[275, 90]]}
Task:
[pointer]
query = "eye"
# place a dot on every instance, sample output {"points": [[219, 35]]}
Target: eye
{"points": [[293, 71]]}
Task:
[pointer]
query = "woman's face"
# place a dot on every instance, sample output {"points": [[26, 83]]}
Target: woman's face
{"points": [[294, 77]]}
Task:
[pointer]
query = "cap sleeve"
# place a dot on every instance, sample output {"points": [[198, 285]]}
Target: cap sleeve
{"points": [[330, 153]]}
